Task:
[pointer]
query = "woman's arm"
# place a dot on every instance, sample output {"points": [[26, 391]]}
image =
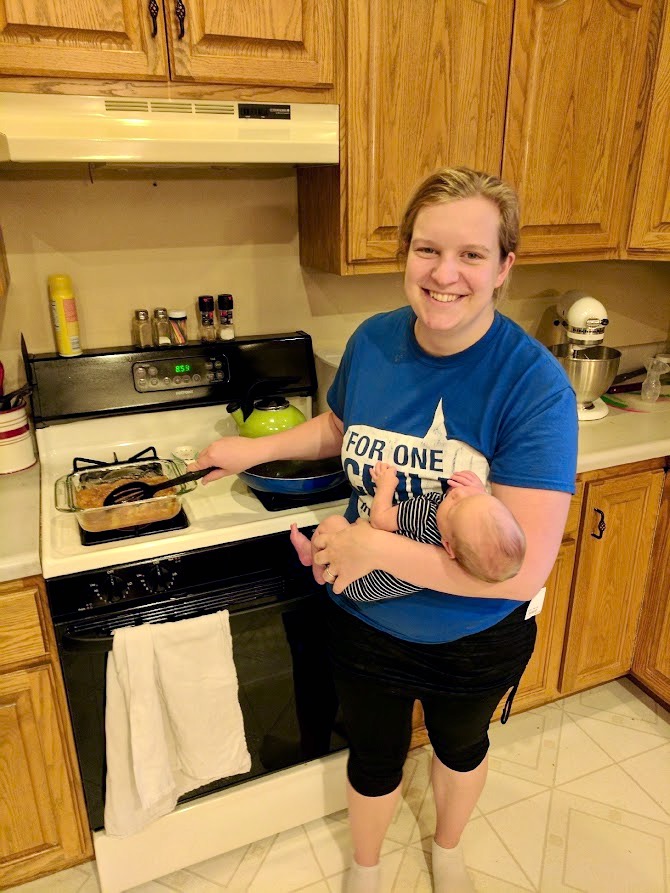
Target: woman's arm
{"points": [[318, 438], [360, 549]]}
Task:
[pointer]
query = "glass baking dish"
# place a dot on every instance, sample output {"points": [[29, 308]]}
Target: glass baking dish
{"points": [[83, 492]]}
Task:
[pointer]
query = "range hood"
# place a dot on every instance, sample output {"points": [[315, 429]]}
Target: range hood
{"points": [[37, 128]]}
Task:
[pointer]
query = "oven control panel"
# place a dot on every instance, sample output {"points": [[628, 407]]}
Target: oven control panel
{"points": [[175, 373]]}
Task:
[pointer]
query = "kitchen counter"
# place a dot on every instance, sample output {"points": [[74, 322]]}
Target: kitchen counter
{"points": [[622, 437], [619, 438], [20, 514]]}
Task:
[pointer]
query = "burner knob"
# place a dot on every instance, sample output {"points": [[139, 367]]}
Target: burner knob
{"points": [[117, 587], [165, 575]]}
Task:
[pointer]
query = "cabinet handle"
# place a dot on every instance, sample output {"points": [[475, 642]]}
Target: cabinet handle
{"points": [[180, 12], [153, 12], [602, 527]]}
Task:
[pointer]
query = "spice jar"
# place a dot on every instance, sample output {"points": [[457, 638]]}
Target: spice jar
{"points": [[226, 328], [141, 329], [177, 320], [207, 327], [161, 327]]}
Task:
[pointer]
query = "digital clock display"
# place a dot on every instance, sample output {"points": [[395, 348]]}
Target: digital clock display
{"points": [[180, 368]]}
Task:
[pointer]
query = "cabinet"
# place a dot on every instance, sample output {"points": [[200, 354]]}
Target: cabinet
{"points": [[265, 42], [614, 549], [650, 227], [43, 825], [575, 76], [425, 85], [651, 661]]}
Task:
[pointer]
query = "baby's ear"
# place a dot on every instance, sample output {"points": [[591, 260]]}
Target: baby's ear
{"points": [[448, 549]]}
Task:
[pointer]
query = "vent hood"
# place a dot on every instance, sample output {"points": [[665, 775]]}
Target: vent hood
{"points": [[38, 128]]}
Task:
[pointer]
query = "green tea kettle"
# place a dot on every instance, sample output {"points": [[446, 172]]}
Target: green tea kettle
{"points": [[269, 415]]}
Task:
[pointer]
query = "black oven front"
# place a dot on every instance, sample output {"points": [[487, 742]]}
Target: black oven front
{"points": [[285, 686]]}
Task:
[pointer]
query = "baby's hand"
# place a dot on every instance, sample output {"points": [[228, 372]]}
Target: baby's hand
{"points": [[466, 479], [382, 472]]}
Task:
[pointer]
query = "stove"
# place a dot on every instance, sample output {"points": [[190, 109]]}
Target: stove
{"points": [[228, 550]]}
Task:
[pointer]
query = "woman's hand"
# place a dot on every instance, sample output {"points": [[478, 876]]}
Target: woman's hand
{"points": [[349, 553], [230, 454]]}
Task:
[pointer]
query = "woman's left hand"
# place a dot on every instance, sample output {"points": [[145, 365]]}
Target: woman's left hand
{"points": [[347, 554]]}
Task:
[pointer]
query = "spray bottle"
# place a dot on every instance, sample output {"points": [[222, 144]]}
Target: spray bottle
{"points": [[64, 315]]}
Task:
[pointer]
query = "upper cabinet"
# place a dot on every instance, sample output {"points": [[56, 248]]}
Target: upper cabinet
{"points": [[259, 42], [650, 227], [576, 72], [86, 38], [273, 42]]}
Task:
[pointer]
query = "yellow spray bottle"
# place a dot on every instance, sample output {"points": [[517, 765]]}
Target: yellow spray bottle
{"points": [[64, 315]]}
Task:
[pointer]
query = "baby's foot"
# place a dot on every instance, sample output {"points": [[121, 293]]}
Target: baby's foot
{"points": [[302, 545]]}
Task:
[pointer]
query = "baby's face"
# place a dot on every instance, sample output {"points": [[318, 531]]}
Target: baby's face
{"points": [[447, 509]]}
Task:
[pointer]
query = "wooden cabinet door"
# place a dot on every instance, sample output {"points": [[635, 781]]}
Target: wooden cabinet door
{"points": [[426, 85], [71, 38], [575, 75], [650, 226], [39, 829], [613, 558], [267, 42], [651, 661]]}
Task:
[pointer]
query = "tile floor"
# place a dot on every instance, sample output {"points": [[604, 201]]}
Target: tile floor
{"points": [[578, 799]]}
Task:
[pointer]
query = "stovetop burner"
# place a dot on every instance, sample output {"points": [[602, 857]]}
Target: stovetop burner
{"points": [[81, 462], [179, 522], [277, 502]]}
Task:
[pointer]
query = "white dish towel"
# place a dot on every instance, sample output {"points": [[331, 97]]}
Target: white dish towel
{"points": [[173, 720]]}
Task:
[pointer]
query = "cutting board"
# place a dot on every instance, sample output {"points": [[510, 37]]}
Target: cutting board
{"points": [[631, 401]]}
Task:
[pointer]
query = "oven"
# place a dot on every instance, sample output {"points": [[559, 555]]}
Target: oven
{"points": [[286, 692], [227, 549]]}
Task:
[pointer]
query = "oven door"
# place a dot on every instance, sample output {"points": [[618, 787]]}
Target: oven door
{"points": [[285, 690]]}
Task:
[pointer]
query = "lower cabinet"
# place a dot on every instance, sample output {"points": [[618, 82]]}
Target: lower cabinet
{"points": [[651, 660], [43, 826], [613, 557]]}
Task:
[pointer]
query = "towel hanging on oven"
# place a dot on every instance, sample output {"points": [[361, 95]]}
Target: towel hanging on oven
{"points": [[173, 720]]}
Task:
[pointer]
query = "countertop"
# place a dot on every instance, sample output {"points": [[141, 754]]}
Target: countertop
{"points": [[619, 438], [20, 524]]}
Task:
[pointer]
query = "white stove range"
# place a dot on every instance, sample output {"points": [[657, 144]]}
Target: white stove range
{"points": [[221, 512]]}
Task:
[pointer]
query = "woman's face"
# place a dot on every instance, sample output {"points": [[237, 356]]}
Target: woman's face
{"points": [[453, 266]]}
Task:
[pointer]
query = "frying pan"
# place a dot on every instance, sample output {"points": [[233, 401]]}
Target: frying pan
{"points": [[291, 476]]}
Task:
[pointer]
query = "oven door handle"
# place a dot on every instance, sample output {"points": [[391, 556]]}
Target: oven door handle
{"points": [[98, 644]]}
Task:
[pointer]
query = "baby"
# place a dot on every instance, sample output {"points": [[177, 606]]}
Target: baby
{"points": [[476, 530]]}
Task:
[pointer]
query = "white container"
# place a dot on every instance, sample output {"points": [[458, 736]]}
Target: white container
{"points": [[17, 449], [326, 362]]}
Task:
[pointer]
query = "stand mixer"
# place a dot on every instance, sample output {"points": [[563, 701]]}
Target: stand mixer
{"points": [[590, 367]]}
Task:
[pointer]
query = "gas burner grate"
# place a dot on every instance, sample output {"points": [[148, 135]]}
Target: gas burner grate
{"points": [[79, 462]]}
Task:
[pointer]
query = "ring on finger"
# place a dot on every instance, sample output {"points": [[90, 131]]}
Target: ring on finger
{"points": [[331, 577]]}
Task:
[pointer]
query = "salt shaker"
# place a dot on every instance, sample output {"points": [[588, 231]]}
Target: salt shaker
{"points": [[142, 335], [161, 327], [226, 327]]}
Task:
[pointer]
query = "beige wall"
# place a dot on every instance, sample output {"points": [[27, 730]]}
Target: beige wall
{"points": [[146, 242]]}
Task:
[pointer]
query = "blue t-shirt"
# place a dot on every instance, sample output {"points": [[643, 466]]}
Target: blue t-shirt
{"points": [[503, 408]]}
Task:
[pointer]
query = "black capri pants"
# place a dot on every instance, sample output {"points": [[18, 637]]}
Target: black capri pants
{"points": [[459, 684]]}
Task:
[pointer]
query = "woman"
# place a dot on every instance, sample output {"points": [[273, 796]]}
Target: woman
{"points": [[443, 385]]}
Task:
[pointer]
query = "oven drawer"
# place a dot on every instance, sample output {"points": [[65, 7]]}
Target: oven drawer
{"points": [[21, 635]]}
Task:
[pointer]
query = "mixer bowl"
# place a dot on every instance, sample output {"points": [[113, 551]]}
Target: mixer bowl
{"points": [[591, 370]]}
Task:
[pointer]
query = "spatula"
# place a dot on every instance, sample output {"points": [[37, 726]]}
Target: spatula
{"points": [[136, 491]]}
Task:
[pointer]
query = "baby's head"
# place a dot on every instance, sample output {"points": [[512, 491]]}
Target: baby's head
{"points": [[481, 533]]}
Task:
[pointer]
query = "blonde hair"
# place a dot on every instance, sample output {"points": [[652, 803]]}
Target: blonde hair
{"points": [[452, 183], [494, 552]]}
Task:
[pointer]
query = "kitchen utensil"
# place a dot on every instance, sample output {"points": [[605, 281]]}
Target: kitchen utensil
{"points": [[14, 398], [135, 491], [291, 476], [71, 495], [591, 371]]}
